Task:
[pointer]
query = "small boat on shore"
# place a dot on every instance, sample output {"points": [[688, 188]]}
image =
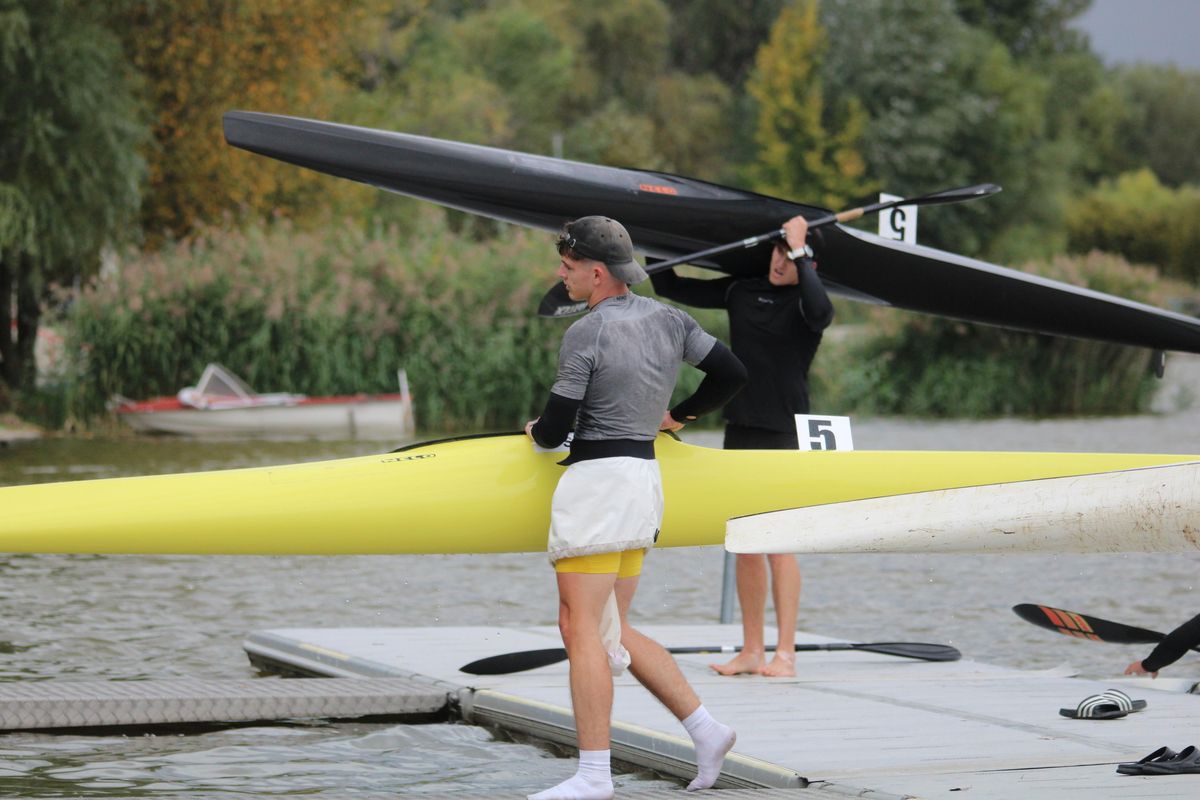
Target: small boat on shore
{"points": [[222, 404]]}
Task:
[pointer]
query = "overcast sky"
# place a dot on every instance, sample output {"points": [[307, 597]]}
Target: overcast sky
{"points": [[1156, 31]]}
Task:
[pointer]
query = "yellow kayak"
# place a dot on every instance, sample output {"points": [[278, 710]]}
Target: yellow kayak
{"points": [[485, 494]]}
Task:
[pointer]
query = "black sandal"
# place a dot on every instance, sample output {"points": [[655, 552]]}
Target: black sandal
{"points": [[1162, 754], [1186, 763]]}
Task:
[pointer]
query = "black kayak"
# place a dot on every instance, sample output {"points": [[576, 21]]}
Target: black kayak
{"points": [[671, 215]]}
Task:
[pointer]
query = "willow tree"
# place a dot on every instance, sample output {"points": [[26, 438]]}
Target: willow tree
{"points": [[806, 150], [69, 168]]}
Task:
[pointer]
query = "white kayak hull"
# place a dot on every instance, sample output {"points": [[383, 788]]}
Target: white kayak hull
{"points": [[1152, 509]]}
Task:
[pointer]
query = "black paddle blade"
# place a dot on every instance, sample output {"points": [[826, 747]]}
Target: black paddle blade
{"points": [[1082, 626], [557, 303], [919, 650], [507, 663]]}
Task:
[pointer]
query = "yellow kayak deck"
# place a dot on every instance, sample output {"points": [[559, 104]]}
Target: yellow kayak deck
{"points": [[484, 494]]}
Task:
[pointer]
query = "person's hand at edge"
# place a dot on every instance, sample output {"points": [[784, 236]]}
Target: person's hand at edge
{"points": [[1136, 668]]}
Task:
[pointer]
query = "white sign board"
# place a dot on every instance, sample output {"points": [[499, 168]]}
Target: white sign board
{"points": [[898, 223], [824, 432]]}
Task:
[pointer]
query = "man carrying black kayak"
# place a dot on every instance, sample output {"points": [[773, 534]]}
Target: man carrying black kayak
{"points": [[775, 327], [616, 371]]}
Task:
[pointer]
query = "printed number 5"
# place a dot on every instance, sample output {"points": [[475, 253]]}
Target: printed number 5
{"points": [[820, 434]]}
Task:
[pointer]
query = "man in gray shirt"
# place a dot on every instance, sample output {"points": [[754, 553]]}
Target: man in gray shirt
{"points": [[616, 371]]}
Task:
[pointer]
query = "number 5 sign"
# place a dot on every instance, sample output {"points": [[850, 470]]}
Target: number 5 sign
{"points": [[824, 432]]}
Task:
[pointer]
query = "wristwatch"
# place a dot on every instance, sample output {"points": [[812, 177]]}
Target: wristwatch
{"points": [[803, 251]]}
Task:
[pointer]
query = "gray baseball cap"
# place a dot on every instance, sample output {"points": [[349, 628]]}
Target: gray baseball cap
{"points": [[604, 240]]}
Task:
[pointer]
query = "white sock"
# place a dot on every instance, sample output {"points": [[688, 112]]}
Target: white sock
{"points": [[712, 741], [592, 781]]}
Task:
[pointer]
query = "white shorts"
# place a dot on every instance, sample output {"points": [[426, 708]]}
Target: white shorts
{"points": [[606, 505]]}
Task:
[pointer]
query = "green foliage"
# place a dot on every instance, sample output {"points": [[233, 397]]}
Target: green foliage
{"points": [[926, 366], [1138, 217], [690, 124], [817, 102], [803, 151], [720, 36], [1159, 108], [519, 52], [1028, 28], [625, 43], [593, 82], [947, 106], [200, 58], [328, 313], [69, 168], [1084, 117]]}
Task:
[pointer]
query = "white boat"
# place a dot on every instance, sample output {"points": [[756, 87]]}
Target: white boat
{"points": [[221, 404], [1147, 509]]}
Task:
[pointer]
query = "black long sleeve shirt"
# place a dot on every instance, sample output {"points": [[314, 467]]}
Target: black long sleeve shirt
{"points": [[1172, 648], [774, 330]]}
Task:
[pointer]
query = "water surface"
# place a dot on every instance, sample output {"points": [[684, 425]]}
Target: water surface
{"points": [[86, 617]]}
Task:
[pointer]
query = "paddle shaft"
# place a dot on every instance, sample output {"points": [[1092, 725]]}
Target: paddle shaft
{"points": [[557, 303], [520, 661], [947, 196], [1083, 626]]}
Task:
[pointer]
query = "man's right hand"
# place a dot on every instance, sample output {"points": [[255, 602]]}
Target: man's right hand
{"points": [[796, 232], [669, 423]]}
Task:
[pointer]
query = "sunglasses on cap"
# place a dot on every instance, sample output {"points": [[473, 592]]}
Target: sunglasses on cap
{"points": [[564, 243]]}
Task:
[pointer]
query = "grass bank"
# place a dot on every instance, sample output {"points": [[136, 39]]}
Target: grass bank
{"points": [[339, 310]]}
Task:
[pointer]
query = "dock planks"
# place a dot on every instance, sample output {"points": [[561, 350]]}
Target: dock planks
{"points": [[850, 722]]}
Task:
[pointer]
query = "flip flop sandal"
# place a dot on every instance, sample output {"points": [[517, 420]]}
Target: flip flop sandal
{"points": [[1097, 706], [1136, 767], [1186, 763], [1124, 701]]}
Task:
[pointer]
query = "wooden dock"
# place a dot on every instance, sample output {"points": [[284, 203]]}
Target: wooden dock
{"points": [[850, 723]]}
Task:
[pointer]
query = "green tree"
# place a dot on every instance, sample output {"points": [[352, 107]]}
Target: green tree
{"points": [[1138, 217], [201, 58], [520, 53], [721, 37], [948, 106], [626, 44], [691, 124], [1028, 28], [804, 151], [69, 166], [1160, 106], [594, 82], [1085, 116]]}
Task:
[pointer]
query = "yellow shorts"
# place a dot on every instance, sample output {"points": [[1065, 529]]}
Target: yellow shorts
{"points": [[626, 563]]}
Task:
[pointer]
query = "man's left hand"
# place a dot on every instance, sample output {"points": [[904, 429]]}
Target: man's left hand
{"points": [[669, 423]]}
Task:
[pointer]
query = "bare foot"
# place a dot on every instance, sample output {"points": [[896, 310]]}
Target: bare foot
{"points": [[783, 665], [744, 663]]}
